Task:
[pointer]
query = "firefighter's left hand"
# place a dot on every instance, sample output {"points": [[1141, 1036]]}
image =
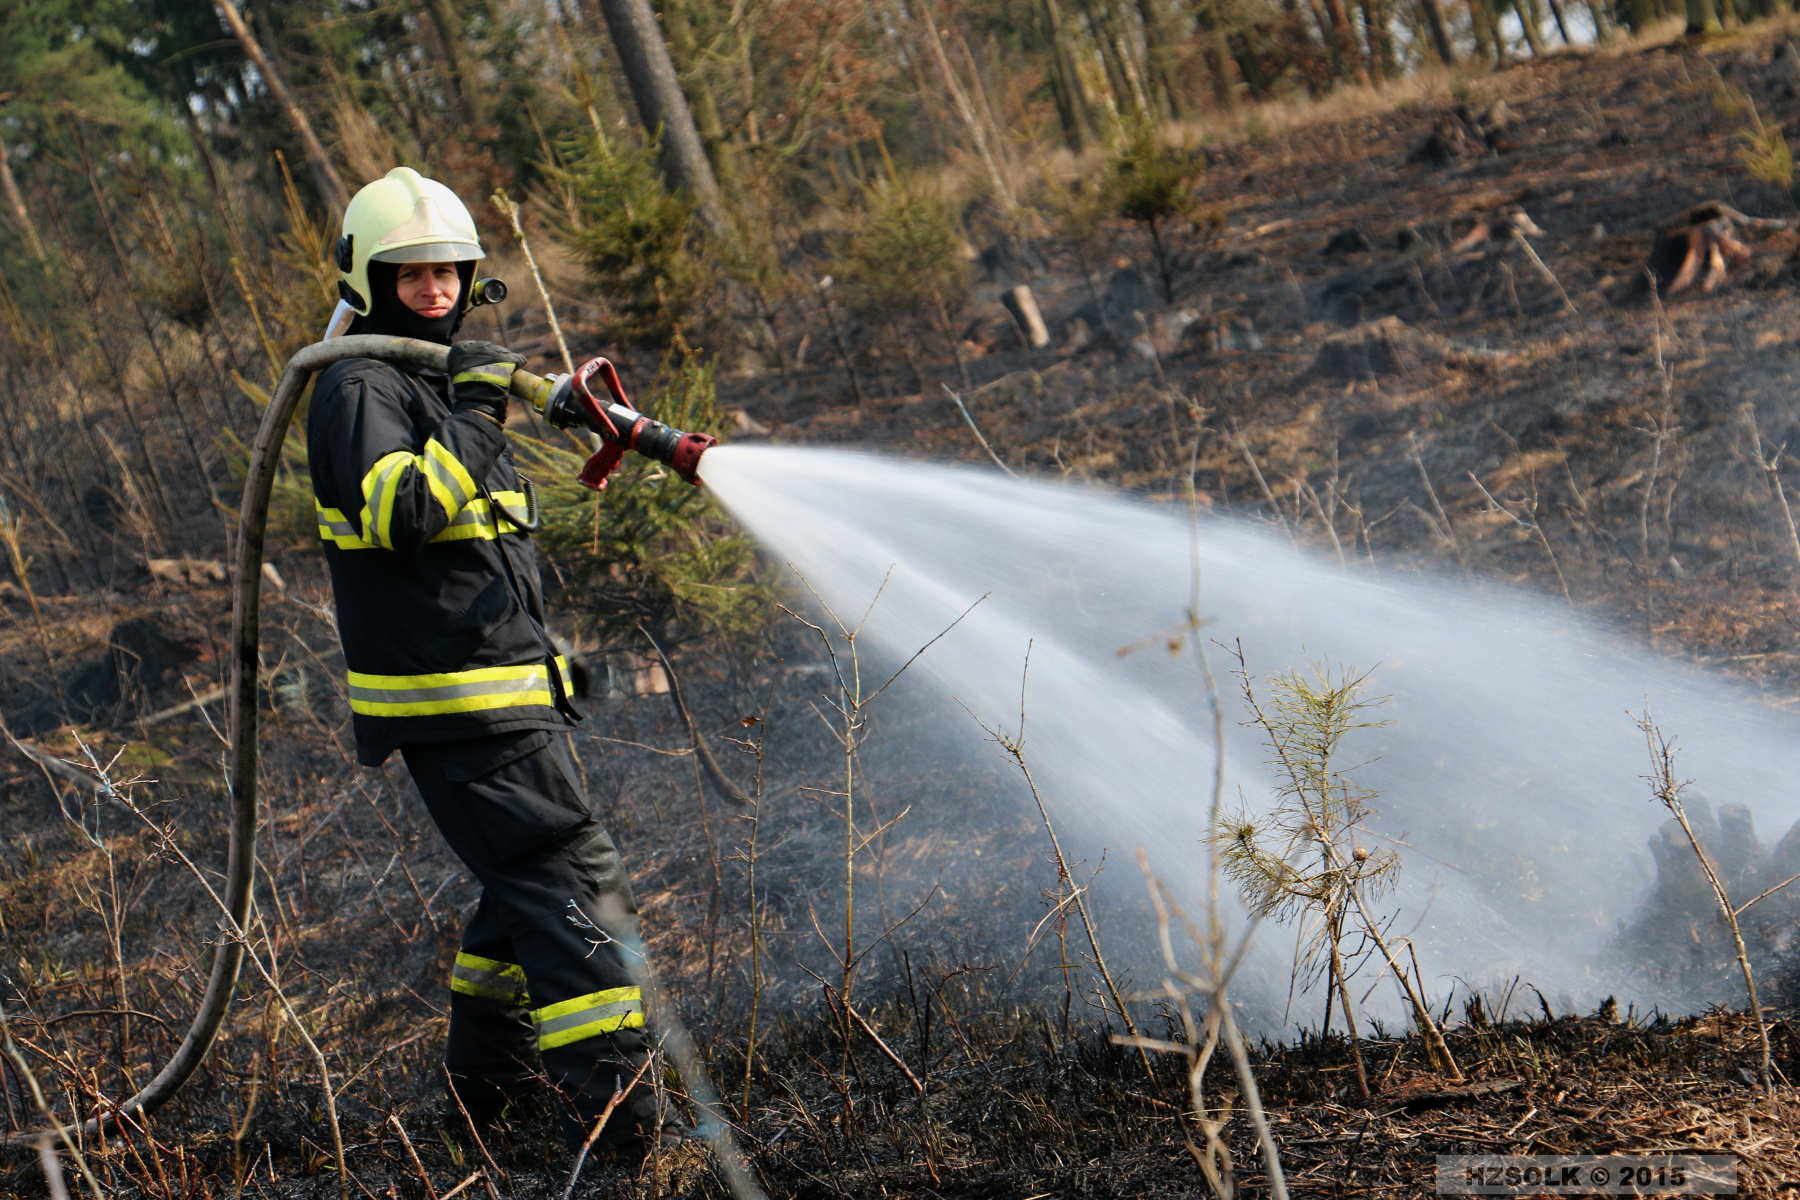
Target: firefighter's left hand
{"points": [[480, 373]]}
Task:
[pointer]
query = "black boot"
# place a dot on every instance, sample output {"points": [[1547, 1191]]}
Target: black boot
{"points": [[490, 1063], [587, 1074]]}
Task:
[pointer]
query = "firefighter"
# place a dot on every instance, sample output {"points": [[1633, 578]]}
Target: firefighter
{"points": [[426, 524]]}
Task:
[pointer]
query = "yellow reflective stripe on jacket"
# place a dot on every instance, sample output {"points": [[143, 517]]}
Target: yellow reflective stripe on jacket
{"points": [[379, 489], [489, 979], [449, 479], [450, 483], [478, 520], [475, 521], [568, 680], [451, 692], [336, 528], [589, 1016]]}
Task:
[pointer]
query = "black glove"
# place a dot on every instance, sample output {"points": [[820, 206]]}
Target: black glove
{"points": [[480, 373]]}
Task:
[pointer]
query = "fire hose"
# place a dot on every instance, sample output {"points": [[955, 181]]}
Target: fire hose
{"points": [[565, 401]]}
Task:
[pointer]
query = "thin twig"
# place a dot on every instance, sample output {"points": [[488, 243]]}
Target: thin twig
{"points": [[1014, 748], [11, 1049], [714, 773], [419, 1167], [976, 430], [510, 211], [1667, 789], [619, 1094], [883, 1046], [450, 1081], [1546, 273]]}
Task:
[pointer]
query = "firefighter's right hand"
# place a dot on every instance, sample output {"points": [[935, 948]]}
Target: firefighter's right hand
{"points": [[480, 373]]}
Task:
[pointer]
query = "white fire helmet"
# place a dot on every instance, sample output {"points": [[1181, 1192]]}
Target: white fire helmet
{"points": [[402, 217]]}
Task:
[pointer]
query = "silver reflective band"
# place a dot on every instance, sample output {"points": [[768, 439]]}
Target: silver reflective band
{"points": [[587, 1016], [489, 979], [537, 681]]}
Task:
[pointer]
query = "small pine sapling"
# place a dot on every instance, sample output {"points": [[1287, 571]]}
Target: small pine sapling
{"points": [[1154, 184], [658, 553], [1304, 859], [904, 260], [637, 242]]}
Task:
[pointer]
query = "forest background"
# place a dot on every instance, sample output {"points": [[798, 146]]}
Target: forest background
{"points": [[812, 215]]}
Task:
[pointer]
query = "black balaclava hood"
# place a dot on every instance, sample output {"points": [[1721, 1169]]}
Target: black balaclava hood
{"points": [[387, 315]]}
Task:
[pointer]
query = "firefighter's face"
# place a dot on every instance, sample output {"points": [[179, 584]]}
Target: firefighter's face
{"points": [[429, 289]]}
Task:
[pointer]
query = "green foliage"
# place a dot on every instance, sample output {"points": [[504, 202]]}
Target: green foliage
{"points": [[651, 549], [293, 516], [636, 241], [903, 259], [1078, 212], [1301, 857], [1153, 183]]}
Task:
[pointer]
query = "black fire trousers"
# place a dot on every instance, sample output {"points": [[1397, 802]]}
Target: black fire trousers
{"points": [[546, 983]]}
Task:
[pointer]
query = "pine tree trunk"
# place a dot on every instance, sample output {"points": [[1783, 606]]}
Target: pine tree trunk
{"points": [[650, 74], [1528, 22], [1562, 26], [1343, 990], [325, 176], [16, 202], [1249, 65], [1602, 26], [1065, 74], [684, 49], [1702, 18], [1162, 47], [1218, 51], [1117, 84], [1348, 57], [966, 110], [1375, 30], [463, 87], [1440, 31]]}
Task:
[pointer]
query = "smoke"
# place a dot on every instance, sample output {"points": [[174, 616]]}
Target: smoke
{"points": [[1510, 775]]}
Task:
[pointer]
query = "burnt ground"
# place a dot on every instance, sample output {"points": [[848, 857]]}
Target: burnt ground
{"points": [[1611, 436], [1333, 232]]}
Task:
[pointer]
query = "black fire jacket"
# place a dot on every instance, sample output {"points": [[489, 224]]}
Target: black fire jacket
{"points": [[440, 606]]}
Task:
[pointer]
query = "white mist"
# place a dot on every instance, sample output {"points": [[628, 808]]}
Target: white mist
{"points": [[1511, 770]]}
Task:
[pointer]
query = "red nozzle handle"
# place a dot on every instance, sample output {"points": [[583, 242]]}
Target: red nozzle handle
{"points": [[609, 375], [622, 427]]}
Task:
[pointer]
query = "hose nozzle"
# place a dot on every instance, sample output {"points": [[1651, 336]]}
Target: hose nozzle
{"points": [[568, 401]]}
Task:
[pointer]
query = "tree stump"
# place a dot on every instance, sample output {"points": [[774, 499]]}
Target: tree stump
{"points": [[1703, 244]]}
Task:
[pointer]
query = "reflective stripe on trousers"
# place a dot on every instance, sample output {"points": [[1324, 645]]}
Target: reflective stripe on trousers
{"points": [[475, 690], [589, 1016], [489, 979]]}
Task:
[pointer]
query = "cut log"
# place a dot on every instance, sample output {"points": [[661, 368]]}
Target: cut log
{"points": [[1703, 244], [1024, 309]]}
